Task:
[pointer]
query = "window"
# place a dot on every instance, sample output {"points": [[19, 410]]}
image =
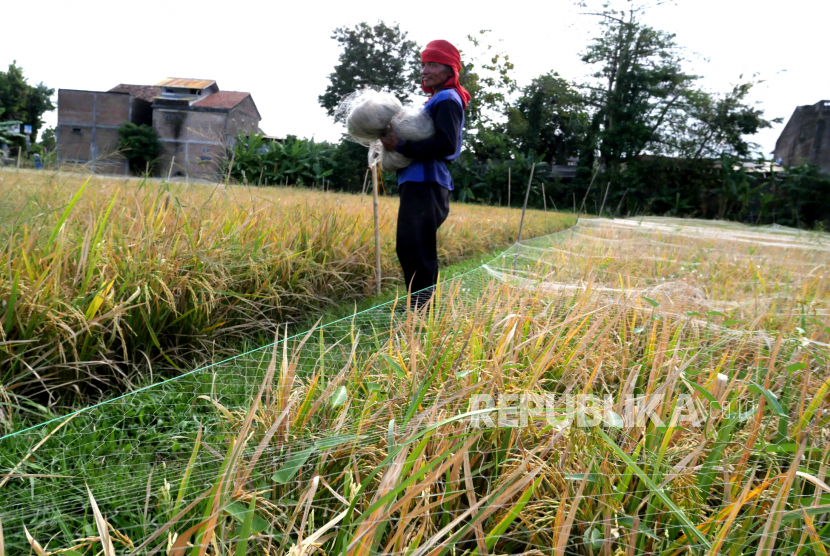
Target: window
{"points": [[205, 150], [181, 149], [204, 158], [76, 130], [172, 117]]}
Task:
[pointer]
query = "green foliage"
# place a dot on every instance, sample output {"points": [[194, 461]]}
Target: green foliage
{"points": [[378, 57], [350, 166], [487, 74], [549, 119], [487, 181], [799, 197], [639, 83], [257, 161], [717, 124], [642, 102], [723, 189], [140, 146], [6, 133], [24, 102], [47, 139]]}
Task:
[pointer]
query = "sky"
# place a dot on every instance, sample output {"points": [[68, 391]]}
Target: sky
{"points": [[282, 52]]}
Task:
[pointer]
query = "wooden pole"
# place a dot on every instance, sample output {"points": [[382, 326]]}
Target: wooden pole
{"points": [[582, 207], [170, 171], [508, 187], [602, 206], [363, 193], [19, 150], [230, 168], [544, 200], [376, 209], [524, 208], [522, 221]]}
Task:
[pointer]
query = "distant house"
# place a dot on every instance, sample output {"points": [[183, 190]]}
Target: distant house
{"points": [[806, 137], [194, 120], [88, 122]]}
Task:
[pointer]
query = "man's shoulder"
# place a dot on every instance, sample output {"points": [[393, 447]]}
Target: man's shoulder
{"points": [[447, 94]]}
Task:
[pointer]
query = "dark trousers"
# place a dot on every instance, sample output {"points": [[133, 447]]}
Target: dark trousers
{"points": [[424, 207]]}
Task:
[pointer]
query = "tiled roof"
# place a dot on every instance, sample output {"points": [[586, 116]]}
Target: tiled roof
{"points": [[186, 83], [222, 99], [144, 92]]}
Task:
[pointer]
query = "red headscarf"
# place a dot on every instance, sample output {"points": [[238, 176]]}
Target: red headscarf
{"points": [[445, 53]]}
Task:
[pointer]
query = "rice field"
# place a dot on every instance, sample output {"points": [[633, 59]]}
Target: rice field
{"points": [[108, 282], [648, 386]]}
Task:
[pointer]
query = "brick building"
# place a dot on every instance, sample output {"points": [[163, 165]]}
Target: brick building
{"points": [[88, 122], [193, 119], [806, 137]]}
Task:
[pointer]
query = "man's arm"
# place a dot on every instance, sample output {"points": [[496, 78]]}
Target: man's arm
{"points": [[448, 116]]}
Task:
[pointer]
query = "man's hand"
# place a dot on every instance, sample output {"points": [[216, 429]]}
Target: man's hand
{"points": [[389, 140]]}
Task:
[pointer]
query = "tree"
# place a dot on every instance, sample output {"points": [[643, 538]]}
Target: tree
{"points": [[716, 124], [549, 119], [22, 101], [487, 74], [47, 139], [379, 57], [639, 85], [140, 146]]}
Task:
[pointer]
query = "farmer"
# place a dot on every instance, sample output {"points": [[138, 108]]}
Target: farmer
{"points": [[425, 184]]}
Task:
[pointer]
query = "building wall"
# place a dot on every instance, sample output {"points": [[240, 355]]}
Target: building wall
{"points": [[204, 160], [806, 137], [74, 143], [243, 118], [87, 130], [170, 125], [207, 126], [195, 139], [142, 112], [194, 142]]}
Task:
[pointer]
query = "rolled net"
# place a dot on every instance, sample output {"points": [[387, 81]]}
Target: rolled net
{"points": [[533, 408], [368, 113]]}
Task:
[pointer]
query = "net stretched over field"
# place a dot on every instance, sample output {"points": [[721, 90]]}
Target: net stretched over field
{"points": [[623, 387]]}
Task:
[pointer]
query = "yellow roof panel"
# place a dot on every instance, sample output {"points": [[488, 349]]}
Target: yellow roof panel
{"points": [[186, 83]]}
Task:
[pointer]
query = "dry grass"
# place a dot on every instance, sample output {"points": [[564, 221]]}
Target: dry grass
{"points": [[359, 439], [105, 276]]}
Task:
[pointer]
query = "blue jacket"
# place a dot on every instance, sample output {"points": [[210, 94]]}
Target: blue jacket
{"points": [[430, 156]]}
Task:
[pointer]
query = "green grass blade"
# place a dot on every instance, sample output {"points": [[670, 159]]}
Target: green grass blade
{"points": [[59, 226], [245, 532], [687, 525]]}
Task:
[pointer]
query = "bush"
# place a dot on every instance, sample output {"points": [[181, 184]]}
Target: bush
{"points": [[257, 161], [140, 145]]}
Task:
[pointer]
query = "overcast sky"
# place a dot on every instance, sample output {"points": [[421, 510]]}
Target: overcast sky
{"points": [[282, 52]]}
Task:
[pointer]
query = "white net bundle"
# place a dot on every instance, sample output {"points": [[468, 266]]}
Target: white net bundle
{"points": [[368, 114]]}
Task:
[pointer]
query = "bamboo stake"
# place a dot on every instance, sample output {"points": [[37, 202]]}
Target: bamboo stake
{"points": [[524, 208], [170, 171], [230, 168], [508, 187], [363, 193], [19, 150], [602, 206], [544, 200], [375, 208]]}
